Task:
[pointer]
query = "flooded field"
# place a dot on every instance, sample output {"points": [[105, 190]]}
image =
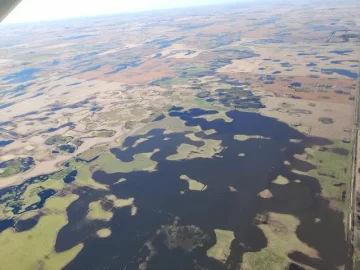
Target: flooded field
{"points": [[214, 138]]}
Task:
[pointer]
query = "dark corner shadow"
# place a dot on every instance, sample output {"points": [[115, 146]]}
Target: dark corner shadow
{"points": [[6, 6]]}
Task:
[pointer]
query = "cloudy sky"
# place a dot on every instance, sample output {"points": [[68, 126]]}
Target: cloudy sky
{"points": [[43, 10]]}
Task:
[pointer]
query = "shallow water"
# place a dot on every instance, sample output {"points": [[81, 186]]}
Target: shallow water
{"points": [[22, 76], [343, 72]]}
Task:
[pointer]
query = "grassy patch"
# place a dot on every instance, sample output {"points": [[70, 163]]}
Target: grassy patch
{"points": [[103, 233], [15, 166], [34, 249], [333, 171], [281, 180], [193, 184], [169, 81], [58, 139], [183, 151], [245, 137], [281, 235], [221, 250], [102, 133], [93, 152], [110, 164], [96, 212]]}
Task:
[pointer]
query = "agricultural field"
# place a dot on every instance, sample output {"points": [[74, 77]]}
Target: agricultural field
{"points": [[219, 137]]}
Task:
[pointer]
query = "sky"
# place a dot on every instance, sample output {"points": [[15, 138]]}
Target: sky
{"points": [[45, 10]]}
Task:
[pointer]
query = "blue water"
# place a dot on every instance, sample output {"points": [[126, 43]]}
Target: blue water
{"points": [[311, 64], [44, 195], [73, 84], [5, 143], [325, 28], [54, 62], [159, 118], [342, 72], [70, 177], [341, 52], [22, 76], [189, 52], [322, 57], [295, 84], [78, 37], [7, 223], [6, 105], [123, 67], [268, 21], [91, 69]]}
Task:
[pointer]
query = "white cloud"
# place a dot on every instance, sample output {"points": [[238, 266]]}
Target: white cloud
{"points": [[42, 10]]}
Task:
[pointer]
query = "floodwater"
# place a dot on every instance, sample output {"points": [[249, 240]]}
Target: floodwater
{"points": [[5, 143], [174, 227], [70, 177], [22, 76], [343, 72]]}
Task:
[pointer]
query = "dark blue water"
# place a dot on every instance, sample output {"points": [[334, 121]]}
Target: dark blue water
{"points": [[91, 69], [190, 52], [70, 177], [26, 114], [335, 62], [285, 64], [342, 72], [161, 204], [22, 76], [25, 225], [166, 43], [36, 95], [295, 84], [5, 224], [25, 163], [193, 27], [96, 108], [123, 67], [267, 21], [73, 84], [325, 28], [175, 108], [44, 195], [342, 52], [67, 148], [50, 130], [6, 105], [311, 64], [341, 92], [5, 143], [78, 37], [191, 113], [276, 72], [322, 57], [81, 56], [159, 118], [54, 62]]}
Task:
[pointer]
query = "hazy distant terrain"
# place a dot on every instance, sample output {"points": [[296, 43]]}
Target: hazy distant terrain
{"points": [[209, 138]]}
